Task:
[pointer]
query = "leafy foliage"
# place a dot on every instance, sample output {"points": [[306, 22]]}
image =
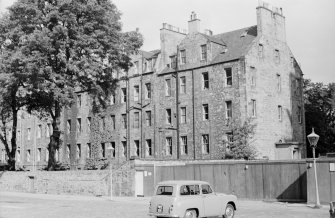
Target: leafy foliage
{"points": [[239, 143], [320, 114]]}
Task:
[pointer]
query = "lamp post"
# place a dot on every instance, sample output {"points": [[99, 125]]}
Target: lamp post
{"points": [[111, 149], [313, 140]]}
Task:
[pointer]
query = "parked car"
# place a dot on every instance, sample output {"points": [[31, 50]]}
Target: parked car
{"points": [[190, 199]]}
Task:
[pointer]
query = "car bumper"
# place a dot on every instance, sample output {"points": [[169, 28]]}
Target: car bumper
{"points": [[162, 215]]}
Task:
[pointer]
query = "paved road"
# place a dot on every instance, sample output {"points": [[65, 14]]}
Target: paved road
{"points": [[26, 205]]}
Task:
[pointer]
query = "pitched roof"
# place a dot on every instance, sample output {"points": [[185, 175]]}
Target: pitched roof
{"points": [[150, 54], [237, 43], [213, 39]]}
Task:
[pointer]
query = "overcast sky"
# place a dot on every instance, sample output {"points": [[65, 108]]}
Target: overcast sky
{"points": [[310, 25]]}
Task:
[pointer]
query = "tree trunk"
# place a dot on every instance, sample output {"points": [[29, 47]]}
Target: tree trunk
{"points": [[12, 153], [55, 138]]}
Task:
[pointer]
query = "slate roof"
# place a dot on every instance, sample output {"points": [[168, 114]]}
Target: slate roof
{"points": [[150, 54], [237, 43], [213, 39]]}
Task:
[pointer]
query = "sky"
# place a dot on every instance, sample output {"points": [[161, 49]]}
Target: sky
{"points": [[310, 25]]}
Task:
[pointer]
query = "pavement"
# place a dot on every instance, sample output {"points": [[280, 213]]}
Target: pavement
{"points": [[29, 205]]}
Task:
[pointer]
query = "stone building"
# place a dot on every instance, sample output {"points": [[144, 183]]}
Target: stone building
{"points": [[176, 102]]}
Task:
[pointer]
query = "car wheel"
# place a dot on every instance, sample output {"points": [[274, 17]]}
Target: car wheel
{"points": [[191, 214], [229, 211]]}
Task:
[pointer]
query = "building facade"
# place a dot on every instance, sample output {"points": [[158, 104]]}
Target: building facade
{"points": [[176, 102]]}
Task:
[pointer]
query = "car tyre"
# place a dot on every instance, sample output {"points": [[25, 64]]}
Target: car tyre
{"points": [[191, 214], [229, 211]]}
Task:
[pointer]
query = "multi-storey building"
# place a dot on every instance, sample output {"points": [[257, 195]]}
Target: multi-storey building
{"points": [[176, 102]]}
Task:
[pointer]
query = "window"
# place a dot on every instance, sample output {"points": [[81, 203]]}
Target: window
{"points": [[182, 57], [88, 124], [277, 56], [280, 113], [253, 112], [78, 126], [183, 85], [229, 77], [149, 65], [18, 156], [57, 154], [89, 150], [189, 190], [205, 115], [137, 67], [183, 115], [205, 144], [164, 190], [113, 122], [113, 149], [173, 62], [123, 95], [78, 151], [145, 66], [299, 114], [183, 143], [137, 148], [136, 120], [204, 52], [205, 81], [228, 140], [229, 110], [28, 133], [206, 189], [28, 155], [68, 151], [39, 150], [148, 147], [253, 76], [168, 116], [278, 83], [148, 118], [292, 61], [103, 150], [168, 145], [39, 131], [112, 99], [136, 92], [68, 126], [124, 121], [124, 147], [148, 90], [49, 130], [103, 124], [167, 87], [79, 101], [47, 155], [260, 51]]}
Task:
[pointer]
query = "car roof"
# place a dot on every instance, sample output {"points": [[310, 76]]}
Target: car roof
{"points": [[182, 182]]}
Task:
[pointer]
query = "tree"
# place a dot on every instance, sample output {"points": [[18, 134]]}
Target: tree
{"points": [[319, 102], [70, 46], [239, 141]]}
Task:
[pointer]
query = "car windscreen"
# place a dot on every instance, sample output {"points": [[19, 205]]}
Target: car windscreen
{"points": [[164, 190]]}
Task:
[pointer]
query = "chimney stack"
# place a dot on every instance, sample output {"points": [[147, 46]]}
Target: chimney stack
{"points": [[193, 24]]}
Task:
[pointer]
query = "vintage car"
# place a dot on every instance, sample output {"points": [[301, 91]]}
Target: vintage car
{"points": [[190, 199]]}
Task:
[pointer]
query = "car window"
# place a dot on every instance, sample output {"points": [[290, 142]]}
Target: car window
{"points": [[206, 189], [164, 190], [189, 190]]}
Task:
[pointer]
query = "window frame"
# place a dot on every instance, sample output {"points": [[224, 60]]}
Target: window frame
{"points": [[205, 81], [183, 115], [229, 78], [205, 143], [203, 49], [182, 56]]}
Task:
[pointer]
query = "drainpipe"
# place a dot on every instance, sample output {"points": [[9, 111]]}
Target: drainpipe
{"points": [[177, 105], [193, 111]]}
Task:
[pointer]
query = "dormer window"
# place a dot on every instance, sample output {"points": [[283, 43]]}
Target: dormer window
{"points": [[204, 52], [182, 57], [173, 62]]}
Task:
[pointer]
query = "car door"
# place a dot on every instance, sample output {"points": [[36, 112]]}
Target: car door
{"points": [[211, 202]]}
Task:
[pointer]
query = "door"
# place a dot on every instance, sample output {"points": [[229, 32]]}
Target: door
{"points": [[139, 184]]}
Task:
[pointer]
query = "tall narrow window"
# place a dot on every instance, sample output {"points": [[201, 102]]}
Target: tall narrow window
{"points": [[205, 81], [113, 122], [78, 126], [88, 120], [148, 149], [278, 83], [136, 93], [167, 87], [113, 149], [168, 116], [253, 113], [168, 146], [68, 125], [78, 151], [182, 57], [39, 131], [183, 115], [103, 124], [57, 155], [183, 85], [112, 99], [137, 148], [205, 115], [173, 62], [18, 156], [124, 121], [47, 155], [137, 67], [124, 147], [204, 52], [123, 95], [103, 150], [68, 151], [28, 134], [229, 110], [28, 155], [89, 150], [229, 77], [183, 143], [277, 56], [49, 130], [253, 76], [292, 61], [260, 51], [148, 118], [136, 120], [79, 101], [148, 90], [39, 151], [280, 113], [205, 144]]}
